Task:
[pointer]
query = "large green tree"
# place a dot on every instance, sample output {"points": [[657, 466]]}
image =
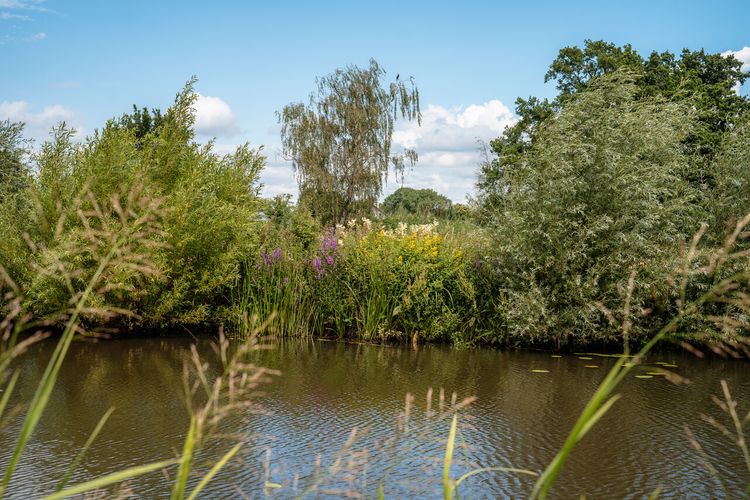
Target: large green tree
{"points": [[598, 194], [340, 142], [702, 81]]}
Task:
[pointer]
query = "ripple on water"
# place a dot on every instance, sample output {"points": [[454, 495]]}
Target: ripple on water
{"points": [[527, 402]]}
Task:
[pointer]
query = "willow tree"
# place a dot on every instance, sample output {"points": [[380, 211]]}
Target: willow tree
{"points": [[340, 142]]}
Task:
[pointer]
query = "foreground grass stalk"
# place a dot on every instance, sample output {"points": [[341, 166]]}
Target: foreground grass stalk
{"points": [[180, 482], [110, 479], [601, 401], [47, 382], [79, 458], [448, 484]]}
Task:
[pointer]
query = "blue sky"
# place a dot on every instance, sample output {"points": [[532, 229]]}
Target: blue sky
{"points": [[87, 61]]}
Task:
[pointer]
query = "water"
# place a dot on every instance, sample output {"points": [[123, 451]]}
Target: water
{"points": [[520, 419]]}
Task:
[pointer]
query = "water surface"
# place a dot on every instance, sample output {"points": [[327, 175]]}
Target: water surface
{"points": [[520, 419]]}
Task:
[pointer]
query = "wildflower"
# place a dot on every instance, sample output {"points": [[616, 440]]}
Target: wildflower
{"points": [[317, 266]]}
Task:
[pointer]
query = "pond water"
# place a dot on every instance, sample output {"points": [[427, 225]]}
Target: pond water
{"points": [[520, 419]]}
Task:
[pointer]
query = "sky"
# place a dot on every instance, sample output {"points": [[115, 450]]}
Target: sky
{"points": [[87, 61]]}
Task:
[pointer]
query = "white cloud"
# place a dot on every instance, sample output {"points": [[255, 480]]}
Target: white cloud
{"points": [[10, 15], [214, 117], [448, 144], [24, 5], [38, 124], [742, 55]]}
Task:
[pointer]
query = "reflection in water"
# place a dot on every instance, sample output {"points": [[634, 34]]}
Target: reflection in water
{"points": [[520, 419]]}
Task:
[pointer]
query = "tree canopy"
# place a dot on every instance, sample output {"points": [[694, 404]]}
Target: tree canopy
{"points": [[14, 173], [703, 81], [419, 202], [340, 142]]}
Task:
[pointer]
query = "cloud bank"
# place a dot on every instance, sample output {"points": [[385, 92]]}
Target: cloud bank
{"points": [[39, 123], [449, 146], [448, 143], [214, 117]]}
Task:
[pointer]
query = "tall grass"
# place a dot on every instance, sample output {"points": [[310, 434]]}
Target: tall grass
{"points": [[114, 238], [275, 286]]}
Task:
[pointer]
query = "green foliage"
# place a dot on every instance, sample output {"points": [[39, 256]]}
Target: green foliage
{"points": [[702, 81], [597, 194], [732, 172], [14, 173], [397, 284], [422, 204], [142, 121], [210, 226], [340, 142]]}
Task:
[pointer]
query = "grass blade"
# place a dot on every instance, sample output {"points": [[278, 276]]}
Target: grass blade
{"points": [[221, 463], [110, 479], [511, 470], [79, 458], [180, 482], [448, 485], [8, 391]]}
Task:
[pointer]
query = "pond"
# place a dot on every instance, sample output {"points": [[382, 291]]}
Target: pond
{"points": [[520, 419]]}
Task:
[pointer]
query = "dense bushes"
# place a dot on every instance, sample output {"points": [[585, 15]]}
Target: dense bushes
{"points": [[605, 189], [210, 204], [370, 282], [604, 184]]}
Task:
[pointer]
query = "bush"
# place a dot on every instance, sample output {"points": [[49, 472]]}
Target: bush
{"points": [[209, 228], [599, 194], [381, 284]]}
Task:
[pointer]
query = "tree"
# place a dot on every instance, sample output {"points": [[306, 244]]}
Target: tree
{"points": [[14, 173], [417, 202], [142, 121], [703, 81], [340, 142], [598, 194]]}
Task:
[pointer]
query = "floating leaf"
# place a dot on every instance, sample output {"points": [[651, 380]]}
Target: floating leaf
{"points": [[540, 371]]}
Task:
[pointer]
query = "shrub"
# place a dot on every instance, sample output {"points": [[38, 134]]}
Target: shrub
{"points": [[210, 224], [598, 194], [401, 283]]}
